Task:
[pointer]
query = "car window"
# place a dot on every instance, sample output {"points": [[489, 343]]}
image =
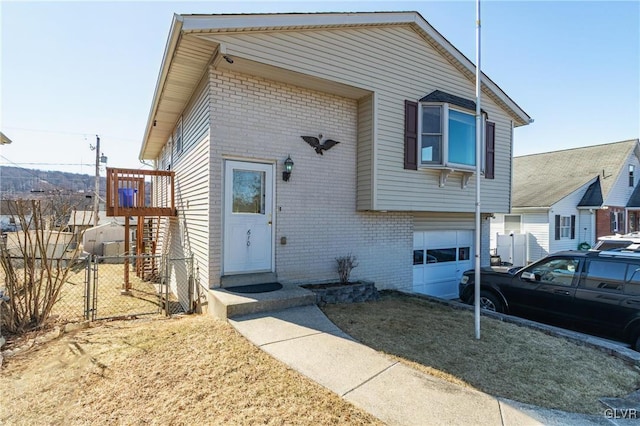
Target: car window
{"points": [[556, 271], [605, 275], [632, 286]]}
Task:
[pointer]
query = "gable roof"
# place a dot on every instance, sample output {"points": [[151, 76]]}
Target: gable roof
{"points": [[541, 180], [634, 200], [592, 196], [188, 54]]}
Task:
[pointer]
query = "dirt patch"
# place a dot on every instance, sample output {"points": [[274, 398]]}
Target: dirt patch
{"points": [[183, 370]]}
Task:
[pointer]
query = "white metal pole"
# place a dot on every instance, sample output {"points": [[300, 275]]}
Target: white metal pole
{"points": [[478, 171]]}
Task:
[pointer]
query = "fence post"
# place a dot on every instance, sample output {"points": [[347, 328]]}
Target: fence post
{"points": [[166, 288], [87, 288], [191, 290]]}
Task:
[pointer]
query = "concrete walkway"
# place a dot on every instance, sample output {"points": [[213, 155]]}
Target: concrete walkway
{"points": [[307, 341]]}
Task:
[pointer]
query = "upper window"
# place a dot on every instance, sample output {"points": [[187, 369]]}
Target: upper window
{"points": [[440, 132], [616, 222], [565, 227], [178, 137], [447, 136]]}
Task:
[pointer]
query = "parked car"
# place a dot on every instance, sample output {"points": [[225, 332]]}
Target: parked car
{"points": [[597, 292], [617, 241]]}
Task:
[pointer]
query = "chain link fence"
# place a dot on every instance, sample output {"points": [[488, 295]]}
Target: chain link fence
{"points": [[102, 287]]}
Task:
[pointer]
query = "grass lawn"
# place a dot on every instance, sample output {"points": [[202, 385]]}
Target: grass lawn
{"points": [[180, 371], [508, 361]]}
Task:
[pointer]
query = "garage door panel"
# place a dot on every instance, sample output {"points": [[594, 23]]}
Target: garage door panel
{"points": [[440, 239], [440, 261]]}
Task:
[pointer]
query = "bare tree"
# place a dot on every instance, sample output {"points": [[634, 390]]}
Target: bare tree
{"points": [[36, 260]]}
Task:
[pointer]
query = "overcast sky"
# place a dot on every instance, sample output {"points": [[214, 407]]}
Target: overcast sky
{"points": [[74, 70]]}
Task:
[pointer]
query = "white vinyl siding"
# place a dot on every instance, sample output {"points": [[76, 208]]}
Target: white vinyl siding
{"points": [[195, 120], [190, 232], [442, 222], [365, 153], [360, 58], [536, 224], [621, 191]]}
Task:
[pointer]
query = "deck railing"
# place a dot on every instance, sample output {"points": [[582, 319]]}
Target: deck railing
{"points": [[136, 192]]}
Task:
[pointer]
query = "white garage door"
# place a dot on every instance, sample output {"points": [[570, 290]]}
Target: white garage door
{"points": [[439, 259]]}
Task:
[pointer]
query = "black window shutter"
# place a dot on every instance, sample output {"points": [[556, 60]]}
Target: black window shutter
{"points": [[490, 150], [410, 135], [612, 221], [557, 227], [573, 227]]}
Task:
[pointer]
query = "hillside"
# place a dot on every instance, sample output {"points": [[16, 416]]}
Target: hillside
{"points": [[18, 182]]}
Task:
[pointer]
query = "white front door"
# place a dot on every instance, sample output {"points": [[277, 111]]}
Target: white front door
{"points": [[248, 216]]}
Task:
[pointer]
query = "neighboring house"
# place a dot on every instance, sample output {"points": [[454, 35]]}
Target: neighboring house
{"points": [[234, 97], [565, 200]]}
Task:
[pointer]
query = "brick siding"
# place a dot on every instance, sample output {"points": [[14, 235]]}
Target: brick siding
{"points": [[262, 120]]}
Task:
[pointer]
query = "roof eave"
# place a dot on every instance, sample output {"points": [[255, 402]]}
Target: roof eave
{"points": [[228, 23], [522, 118], [240, 22], [172, 42]]}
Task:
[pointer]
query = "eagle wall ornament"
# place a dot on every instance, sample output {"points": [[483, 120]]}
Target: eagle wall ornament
{"points": [[319, 147]]}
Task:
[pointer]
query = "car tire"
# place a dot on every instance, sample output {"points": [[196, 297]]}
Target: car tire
{"points": [[490, 302], [636, 344]]}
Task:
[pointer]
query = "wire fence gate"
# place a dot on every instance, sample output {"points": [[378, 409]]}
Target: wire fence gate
{"points": [[99, 288], [126, 286]]}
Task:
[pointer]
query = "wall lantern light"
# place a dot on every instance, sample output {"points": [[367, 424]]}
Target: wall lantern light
{"points": [[288, 167]]}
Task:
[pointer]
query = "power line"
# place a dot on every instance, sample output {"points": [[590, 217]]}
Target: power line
{"points": [[28, 171], [62, 132], [48, 164]]}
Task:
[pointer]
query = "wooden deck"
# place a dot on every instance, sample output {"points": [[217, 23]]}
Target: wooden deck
{"points": [[145, 194], [130, 193]]}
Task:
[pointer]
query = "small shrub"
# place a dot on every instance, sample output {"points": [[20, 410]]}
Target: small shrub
{"points": [[345, 266]]}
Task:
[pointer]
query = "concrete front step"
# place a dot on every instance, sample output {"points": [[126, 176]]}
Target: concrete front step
{"points": [[224, 304], [247, 279]]}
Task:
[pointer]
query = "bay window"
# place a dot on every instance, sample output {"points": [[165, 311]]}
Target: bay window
{"points": [[440, 133], [447, 136]]}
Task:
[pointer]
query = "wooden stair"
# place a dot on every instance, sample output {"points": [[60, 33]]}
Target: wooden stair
{"points": [[147, 247]]}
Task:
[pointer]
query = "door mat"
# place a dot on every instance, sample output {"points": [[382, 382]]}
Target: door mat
{"points": [[255, 288]]}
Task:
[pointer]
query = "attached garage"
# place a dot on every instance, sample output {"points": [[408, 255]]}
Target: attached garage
{"points": [[439, 259]]}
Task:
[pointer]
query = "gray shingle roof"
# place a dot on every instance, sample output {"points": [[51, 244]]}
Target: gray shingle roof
{"points": [[541, 180], [592, 196], [440, 96]]}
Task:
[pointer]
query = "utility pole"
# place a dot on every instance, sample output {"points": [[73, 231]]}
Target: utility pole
{"points": [[96, 195]]}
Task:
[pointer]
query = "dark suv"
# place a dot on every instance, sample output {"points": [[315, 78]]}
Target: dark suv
{"points": [[595, 292]]}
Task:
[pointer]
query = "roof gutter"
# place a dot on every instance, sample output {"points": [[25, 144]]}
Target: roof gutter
{"points": [[466, 62], [172, 42]]}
